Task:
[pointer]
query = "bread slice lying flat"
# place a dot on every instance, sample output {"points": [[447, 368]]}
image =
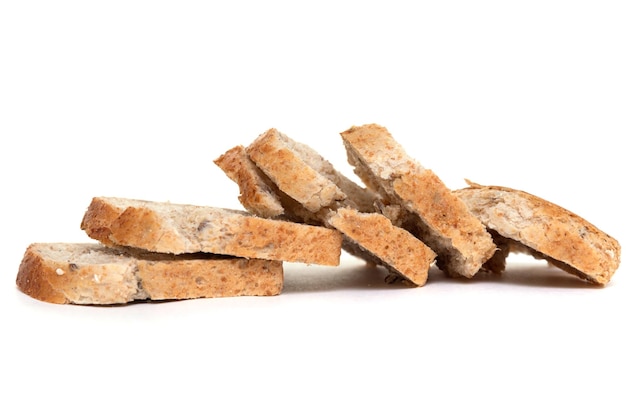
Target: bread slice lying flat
{"points": [[395, 248], [91, 273], [427, 207], [530, 224], [182, 228]]}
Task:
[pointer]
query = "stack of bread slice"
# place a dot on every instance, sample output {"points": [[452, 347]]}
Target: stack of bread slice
{"points": [[163, 251], [299, 208]]}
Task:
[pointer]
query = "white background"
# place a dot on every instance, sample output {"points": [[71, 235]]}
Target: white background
{"points": [[136, 99]]}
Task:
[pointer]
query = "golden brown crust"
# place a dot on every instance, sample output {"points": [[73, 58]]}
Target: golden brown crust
{"points": [[178, 228], [443, 222], [548, 230], [34, 278], [398, 249], [66, 273], [256, 193]]}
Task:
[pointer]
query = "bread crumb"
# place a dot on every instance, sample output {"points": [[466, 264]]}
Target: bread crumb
{"points": [[96, 278], [59, 271]]}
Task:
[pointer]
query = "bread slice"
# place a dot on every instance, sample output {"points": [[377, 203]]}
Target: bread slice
{"points": [[257, 194], [91, 273], [391, 246], [426, 206], [305, 176], [532, 225], [396, 249], [182, 228]]}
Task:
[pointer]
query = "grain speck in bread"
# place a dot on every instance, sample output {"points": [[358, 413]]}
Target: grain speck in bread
{"points": [[91, 273], [429, 209], [545, 230], [183, 228]]}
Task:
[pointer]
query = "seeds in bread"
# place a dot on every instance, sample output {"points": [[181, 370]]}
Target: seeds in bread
{"points": [[91, 273], [429, 209], [183, 228], [545, 230], [395, 248]]}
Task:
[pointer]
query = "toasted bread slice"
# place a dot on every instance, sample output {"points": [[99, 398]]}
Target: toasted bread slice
{"points": [[91, 273], [305, 176], [257, 194], [425, 205], [532, 225], [393, 247], [182, 228]]}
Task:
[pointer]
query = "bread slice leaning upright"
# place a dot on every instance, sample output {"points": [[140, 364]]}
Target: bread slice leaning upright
{"points": [[529, 224], [427, 207], [91, 273], [182, 228]]}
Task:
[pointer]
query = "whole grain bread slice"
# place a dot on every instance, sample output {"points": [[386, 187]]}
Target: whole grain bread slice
{"points": [[393, 247], [257, 193], [305, 176], [91, 273], [182, 228], [419, 200], [367, 235], [529, 224]]}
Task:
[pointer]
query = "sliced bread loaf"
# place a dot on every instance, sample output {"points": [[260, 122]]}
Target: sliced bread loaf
{"points": [[91, 273], [530, 224], [183, 228], [425, 206]]}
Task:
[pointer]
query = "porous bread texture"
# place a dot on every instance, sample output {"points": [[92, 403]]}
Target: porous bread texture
{"points": [[545, 230], [393, 247], [91, 273], [257, 194], [304, 175], [183, 228], [419, 200]]}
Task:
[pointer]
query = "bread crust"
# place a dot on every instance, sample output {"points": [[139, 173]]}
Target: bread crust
{"points": [[86, 273], [429, 209], [545, 230], [182, 228], [394, 247]]}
